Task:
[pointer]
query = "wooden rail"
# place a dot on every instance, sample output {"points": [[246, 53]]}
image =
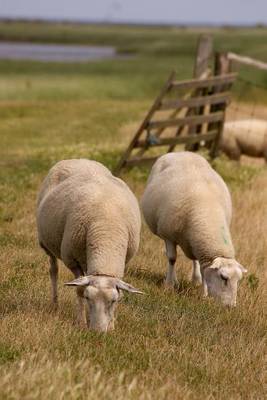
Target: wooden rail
{"points": [[247, 61], [196, 138], [140, 161], [193, 138], [191, 121], [195, 101], [205, 83]]}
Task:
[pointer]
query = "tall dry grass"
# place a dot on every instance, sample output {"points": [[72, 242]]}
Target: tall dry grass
{"points": [[165, 346]]}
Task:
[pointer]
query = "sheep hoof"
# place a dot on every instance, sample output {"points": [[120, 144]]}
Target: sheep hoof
{"points": [[54, 306], [111, 326], [81, 324], [170, 285], [197, 282]]}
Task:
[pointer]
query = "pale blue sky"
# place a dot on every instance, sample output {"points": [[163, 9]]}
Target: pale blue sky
{"points": [[167, 11]]}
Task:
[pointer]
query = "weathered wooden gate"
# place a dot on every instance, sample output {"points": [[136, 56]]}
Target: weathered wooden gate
{"points": [[186, 113]]}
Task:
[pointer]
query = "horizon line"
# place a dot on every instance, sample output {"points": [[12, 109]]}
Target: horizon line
{"points": [[80, 21]]}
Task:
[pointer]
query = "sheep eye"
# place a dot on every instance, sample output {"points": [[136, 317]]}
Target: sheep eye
{"points": [[86, 297], [225, 280]]}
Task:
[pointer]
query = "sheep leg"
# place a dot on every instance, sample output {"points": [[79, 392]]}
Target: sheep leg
{"points": [[54, 277], [171, 252], [112, 325], [196, 274], [80, 304], [77, 271], [264, 147], [235, 152], [80, 307], [204, 284], [205, 288]]}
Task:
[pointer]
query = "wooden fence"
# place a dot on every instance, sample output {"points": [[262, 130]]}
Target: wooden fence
{"points": [[195, 109], [225, 61]]}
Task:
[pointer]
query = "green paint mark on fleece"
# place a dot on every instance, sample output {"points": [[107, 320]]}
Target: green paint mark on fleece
{"points": [[224, 235]]}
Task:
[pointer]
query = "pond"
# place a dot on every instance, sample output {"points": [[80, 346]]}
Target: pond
{"points": [[55, 52]]}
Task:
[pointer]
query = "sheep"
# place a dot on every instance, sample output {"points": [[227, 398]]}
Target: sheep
{"points": [[247, 137], [91, 221], [187, 204]]}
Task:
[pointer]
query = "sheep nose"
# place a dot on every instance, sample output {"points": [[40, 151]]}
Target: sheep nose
{"points": [[99, 328], [230, 304]]}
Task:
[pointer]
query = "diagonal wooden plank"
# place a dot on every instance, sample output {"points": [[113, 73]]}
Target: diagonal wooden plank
{"points": [[143, 125]]}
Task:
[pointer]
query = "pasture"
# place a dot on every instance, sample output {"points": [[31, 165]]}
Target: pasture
{"points": [[166, 345]]}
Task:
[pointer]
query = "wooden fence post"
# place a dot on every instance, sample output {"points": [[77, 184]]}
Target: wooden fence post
{"points": [[203, 55], [222, 66]]}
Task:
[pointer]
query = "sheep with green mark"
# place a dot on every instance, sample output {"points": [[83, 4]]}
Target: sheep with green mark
{"points": [[187, 204]]}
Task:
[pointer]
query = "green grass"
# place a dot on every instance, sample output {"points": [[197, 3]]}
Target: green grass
{"points": [[8, 354], [156, 51], [166, 345], [142, 40]]}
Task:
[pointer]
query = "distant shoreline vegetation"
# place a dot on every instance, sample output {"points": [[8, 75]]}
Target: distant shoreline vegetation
{"points": [[156, 24]]}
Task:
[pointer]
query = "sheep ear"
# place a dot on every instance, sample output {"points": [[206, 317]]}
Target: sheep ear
{"points": [[224, 275], [82, 281], [243, 270], [126, 286], [216, 264]]}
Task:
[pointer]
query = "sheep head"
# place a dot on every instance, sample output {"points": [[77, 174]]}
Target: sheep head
{"points": [[102, 294], [222, 278]]}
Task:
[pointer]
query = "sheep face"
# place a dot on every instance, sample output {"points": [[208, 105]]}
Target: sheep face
{"points": [[222, 279], [102, 294]]}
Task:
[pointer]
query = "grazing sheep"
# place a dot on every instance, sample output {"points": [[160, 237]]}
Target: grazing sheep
{"points": [[247, 137], [91, 221], [186, 203]]}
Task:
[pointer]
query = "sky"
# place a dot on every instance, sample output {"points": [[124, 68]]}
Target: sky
{"points": [[143, 11]]}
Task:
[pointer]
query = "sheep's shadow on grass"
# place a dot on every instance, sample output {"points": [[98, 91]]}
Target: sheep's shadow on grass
{"points": [[183, 287], [146, 275]]}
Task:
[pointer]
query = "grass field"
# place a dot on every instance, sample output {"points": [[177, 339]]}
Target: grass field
{"points": [[166, 345]]}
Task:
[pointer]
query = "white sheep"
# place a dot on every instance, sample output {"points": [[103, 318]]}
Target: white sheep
{"points": [[91, 221], [186, 203], [248, 137]]}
